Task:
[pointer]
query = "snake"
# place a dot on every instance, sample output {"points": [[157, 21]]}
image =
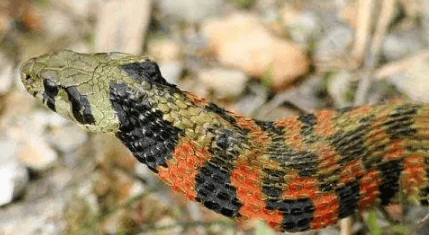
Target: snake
{"points": [[297, 173]]}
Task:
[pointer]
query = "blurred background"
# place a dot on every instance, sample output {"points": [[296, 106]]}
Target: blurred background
{"points": [[263, 58]]}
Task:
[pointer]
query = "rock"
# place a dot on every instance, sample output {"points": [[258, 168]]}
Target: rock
{"points": [[164, 50], [252, 100], [171, 70], [400, 46], [338, 87], [349, 13], [225, 82], [425, 20], [190, 10], [331, 50], [241, 41], [7, 73], [122, 25], [301, 25], [67, 138], [58, 24], [13, 177], [81, 8], [40, 216], [36, 154], [414, 82]]}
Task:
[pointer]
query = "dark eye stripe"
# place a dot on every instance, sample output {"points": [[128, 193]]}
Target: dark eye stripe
{"points": [[80, 106], [51, 90]]}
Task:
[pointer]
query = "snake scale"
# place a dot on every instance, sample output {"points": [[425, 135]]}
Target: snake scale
{"points": [[296, 173]]}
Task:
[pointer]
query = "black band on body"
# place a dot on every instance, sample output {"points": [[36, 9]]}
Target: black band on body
{"points": [[389, 185], [308, 122], [150, 138], [213, 185], [297, 214], [400, 122], [215, 191], [350, 145], [349, 197]]}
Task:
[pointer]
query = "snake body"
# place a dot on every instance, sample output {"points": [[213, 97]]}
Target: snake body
{"points": [[297, 173]]}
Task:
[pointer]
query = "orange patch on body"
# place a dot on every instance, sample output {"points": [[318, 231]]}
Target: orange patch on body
{"points": [[326, 209], [298, 187], [414, 174], [247, 180], [182, 168], [394, 151], [325, 124], [360, 111], [368, 189], [326, 205], [327, 158], [256, 134], [351, 171], [377, 134], [292, 128]]}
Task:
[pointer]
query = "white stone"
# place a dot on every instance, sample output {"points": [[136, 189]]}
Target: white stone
{"points": [[13, 177], [225, 82], [171, 70], [7, 74], [190, 10], [414, 82]]}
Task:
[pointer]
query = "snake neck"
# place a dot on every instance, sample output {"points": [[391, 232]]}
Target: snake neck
{"points": [[155, 123]]}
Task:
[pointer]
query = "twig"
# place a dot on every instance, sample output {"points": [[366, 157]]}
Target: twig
{"points": [[362, 29], [386, 15], [399, 66]]}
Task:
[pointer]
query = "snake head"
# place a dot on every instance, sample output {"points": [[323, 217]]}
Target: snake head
{"points": [[78, 86]]}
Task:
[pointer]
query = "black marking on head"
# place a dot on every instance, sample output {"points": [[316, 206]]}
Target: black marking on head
{"points": [[80, 106], [400, 122], [214, 190], [212, 107], [51, 90], [389, 186], [297, 214], [350, 145], [150, 138], [147, 71], [349, 197]]}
